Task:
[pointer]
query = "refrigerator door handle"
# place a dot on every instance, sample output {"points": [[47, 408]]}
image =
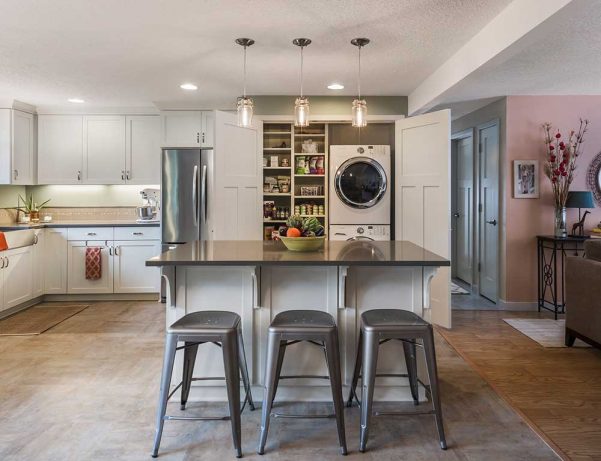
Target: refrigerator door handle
{"points": [[195, 194], [203, 186]]}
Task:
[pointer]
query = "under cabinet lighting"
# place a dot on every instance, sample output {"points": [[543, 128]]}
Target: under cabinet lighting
{"points": [[335, 86], [188, 86], [76, 100]]}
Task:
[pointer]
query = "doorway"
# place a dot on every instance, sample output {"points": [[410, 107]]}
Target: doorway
{"points": [[475, 205]]}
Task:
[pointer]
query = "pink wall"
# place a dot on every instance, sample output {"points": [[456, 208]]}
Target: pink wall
{"points": [[526, 218]]}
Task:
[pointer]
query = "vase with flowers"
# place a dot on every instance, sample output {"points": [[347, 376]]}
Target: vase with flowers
{"points": [[560, 163]]}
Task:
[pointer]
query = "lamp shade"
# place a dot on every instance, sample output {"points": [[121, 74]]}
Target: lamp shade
{"points": [[580, 199]]}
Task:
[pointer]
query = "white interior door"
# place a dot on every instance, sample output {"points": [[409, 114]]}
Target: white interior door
{"points": [[488, 147], [423, 197], [237, 181], [464, 210]]}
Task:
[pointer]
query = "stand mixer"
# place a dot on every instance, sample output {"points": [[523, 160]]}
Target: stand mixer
{"points": [[149, 211]]}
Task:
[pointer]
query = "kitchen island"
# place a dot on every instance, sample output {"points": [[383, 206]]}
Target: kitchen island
{"points": [[259, 279]]}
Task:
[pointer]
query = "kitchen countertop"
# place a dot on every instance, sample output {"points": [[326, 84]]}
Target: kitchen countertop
{"points": [[334, 253], [56, 224]]}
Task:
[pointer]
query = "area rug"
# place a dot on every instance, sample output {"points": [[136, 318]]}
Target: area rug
{"points": [[457, 290], [38, 319], [546, 332]]}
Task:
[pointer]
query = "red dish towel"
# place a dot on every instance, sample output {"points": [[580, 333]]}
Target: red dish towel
{"points": [[93, 263], [3, 244]]}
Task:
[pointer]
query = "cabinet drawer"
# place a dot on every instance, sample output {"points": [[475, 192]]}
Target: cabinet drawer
{"points": [[90, 233], [137, 233]]}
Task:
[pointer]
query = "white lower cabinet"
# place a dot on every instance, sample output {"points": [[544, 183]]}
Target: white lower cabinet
{"points": [[76, 262], [18, 282], [129, 264], [55, 261]]}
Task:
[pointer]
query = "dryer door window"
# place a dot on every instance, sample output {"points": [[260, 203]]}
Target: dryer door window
{"points": [[360, 182]]}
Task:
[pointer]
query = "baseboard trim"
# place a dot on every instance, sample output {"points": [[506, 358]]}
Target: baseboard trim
{"points": [[21, 307], [504, 305], [104, 297]]}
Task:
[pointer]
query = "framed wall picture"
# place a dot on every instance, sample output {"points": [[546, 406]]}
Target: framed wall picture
{"points": [[525, 179]]}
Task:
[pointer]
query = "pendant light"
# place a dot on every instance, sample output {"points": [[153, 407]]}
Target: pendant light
{"points": [[359, 111], [301, 105], [245, 105]]}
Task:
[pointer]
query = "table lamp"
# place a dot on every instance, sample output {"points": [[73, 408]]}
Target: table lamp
{"points": [[580, 199]]}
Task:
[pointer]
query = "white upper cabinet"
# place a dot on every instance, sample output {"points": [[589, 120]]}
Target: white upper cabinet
{"points": [[104, 149], [143, 149], [17, 162], [60, 149], [188, 128]]}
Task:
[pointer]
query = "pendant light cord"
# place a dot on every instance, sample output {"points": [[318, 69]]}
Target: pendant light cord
{"points": [[359, 75], [301, 72], [244, 72]]}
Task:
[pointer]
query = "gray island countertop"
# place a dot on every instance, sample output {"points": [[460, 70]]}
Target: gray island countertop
{"points": [[273, 253]]}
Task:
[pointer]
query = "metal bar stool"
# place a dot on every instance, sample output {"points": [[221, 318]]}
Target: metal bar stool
{"points": [[221, 329], [377, 327], [286, 329]]}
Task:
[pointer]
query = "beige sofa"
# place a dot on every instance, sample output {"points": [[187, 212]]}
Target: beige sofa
{"points": [[583, 296]]}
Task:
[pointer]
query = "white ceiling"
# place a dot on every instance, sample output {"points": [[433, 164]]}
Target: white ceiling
{"points": [[562, 56], [135, 53]]}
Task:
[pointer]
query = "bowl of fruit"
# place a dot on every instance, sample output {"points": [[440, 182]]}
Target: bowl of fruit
{"points": [[302, 234]]}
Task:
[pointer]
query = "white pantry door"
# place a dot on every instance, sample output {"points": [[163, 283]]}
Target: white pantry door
{"points": [[423, 197], [237, 183]]}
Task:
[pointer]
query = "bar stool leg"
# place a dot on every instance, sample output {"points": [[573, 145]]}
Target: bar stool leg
{"points": [[333, 362], [229, 346], [168, 360], [411, 361], [273, 352], [356, 371], [244, 370], [370, 363], [433, 378], [189, 358], [281, 354]]}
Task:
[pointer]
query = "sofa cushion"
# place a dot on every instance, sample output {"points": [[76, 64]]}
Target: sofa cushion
{"points": [[592, 248]]}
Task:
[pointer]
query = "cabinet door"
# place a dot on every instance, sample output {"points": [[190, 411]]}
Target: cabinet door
{"points": [[38, 263], [22, 148], [104, 149], [208, 129], [181, 128], [60, 149], [131, 274], [76, 264], [55, 261], [143, 146], [1, 283], [18, 280]]}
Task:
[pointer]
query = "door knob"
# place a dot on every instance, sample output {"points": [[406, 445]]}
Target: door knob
{"points": [[493, 222], [456, 215]]}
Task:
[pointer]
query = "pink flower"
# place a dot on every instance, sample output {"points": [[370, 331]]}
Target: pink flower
{"points": [[551, 147], [558, 135], [556, 172], [552, 158], [561, 147], [561, 144], [554, 179], [564, 173]]}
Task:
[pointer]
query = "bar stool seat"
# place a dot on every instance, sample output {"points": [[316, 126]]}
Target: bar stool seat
{"points": [[286, 329], [220, 328], [377, 327]]}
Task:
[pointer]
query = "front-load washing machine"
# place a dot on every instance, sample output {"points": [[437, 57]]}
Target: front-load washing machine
{"points": [[360, 186]]}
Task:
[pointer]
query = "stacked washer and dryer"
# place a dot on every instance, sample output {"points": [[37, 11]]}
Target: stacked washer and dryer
{"points": [[360, 192]]}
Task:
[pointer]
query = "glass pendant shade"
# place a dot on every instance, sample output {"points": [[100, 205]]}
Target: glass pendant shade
{"points": [[359, 113], [301, 112], [245, 112]]}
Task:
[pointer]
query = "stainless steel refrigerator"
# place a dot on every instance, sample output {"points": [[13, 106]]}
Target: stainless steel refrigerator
{"points": [[185, 178]]}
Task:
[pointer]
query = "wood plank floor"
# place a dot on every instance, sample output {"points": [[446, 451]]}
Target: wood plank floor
{"points": [[86, 390], [558, 390]]}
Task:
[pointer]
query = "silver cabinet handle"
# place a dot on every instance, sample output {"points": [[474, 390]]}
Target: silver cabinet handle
{"points": [[127, 175], [35, 239], [117, 251], [110, 251], [493, 222], [198, 137], [2, 266], [137, 233], [79, 175], [342, 273], [16, 174], [122, 175], [91, 233], [203, 138], [7, 262], [203, 186], [255, 286]]}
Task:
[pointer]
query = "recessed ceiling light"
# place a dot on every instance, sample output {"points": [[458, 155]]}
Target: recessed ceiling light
{"points": [[335, 86], [188, 86], [76, 100]]}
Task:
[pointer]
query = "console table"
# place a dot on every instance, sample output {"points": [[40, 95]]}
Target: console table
{"points": [[552, 252]]}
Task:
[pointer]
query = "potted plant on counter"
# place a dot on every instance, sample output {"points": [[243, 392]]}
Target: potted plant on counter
{"points": [[31, 208]]}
